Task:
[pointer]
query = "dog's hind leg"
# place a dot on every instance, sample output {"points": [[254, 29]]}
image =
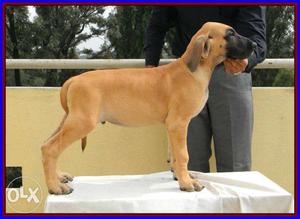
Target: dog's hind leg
{"points": [[81, 119], [62, 176], [75, 127]]}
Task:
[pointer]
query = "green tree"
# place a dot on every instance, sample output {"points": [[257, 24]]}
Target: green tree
{"points": [[55, 33], [285, 78], [59, 29], [125, 31], [18, 44], [280, 44], [126, 27]]}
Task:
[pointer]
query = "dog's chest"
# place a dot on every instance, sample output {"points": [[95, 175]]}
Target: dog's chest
{"points": [[202, 103]]}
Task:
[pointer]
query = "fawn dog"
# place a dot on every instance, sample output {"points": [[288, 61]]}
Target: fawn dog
{"points": [[171, 94]]}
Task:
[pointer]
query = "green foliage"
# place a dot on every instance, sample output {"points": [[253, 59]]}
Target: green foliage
{"points": [[63, 32], [280, 44], [18, 30], [285, 78], [280, 31], [126, 28], [59, 29], [55, 33], [22, 28]]}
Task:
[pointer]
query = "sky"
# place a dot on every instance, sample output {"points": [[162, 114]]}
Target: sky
{"points": [[93, 43]]}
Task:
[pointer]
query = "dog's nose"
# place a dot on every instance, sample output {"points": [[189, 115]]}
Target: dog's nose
{"points": [[254, 45]]}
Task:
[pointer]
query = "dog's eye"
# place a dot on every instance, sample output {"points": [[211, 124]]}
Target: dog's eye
{"points": [[230, 33]]}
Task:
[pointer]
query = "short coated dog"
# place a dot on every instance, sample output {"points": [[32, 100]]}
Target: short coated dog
{"points": [[171, 94]]}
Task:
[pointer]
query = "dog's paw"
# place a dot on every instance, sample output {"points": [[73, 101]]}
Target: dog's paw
{"points": [[64, 177], [59, 189], [187, 188], [197, 185], [192, 175], [194, 185]]}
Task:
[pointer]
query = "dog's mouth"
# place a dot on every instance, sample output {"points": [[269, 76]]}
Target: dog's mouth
{"points": [[240, 51]]}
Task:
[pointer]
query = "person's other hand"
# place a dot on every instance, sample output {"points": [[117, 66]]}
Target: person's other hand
{"points": [[235, 66]]}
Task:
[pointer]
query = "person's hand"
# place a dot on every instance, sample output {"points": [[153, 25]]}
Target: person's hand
{"points": [[150, 66], [235, 66]]}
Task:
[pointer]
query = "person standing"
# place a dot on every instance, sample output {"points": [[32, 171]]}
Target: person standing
{"points": [[228, 114]]}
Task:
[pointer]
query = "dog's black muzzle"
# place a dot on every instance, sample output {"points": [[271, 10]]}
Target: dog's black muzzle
{"points": [[238, 47]]}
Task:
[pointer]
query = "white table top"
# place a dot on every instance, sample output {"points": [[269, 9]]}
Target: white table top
{"points": [[238, 192]]}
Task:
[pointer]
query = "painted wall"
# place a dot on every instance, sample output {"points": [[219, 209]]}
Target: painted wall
{"points": [[32, 114]]}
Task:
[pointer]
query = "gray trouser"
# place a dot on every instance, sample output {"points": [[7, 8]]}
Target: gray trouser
{"points": [[228, 118]]}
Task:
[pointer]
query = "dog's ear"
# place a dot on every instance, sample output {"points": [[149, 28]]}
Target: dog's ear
{"points": [[200, 50], [206, 48]]}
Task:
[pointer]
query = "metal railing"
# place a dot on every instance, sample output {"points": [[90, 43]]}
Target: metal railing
{"points": [[115, 63]]}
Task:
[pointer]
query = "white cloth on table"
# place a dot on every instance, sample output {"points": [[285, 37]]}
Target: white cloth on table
{"points": [[236, 192]]}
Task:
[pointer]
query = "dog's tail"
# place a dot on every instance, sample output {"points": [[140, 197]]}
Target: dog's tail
{"points": [[63, 94], [83, 143], [59, 127], [63, 99]]}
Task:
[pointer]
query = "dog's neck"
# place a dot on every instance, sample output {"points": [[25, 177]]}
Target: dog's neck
{"points": [[202, 72]]}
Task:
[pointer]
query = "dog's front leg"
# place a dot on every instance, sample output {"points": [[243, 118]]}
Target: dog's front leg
{"points": [[177, 133]]}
